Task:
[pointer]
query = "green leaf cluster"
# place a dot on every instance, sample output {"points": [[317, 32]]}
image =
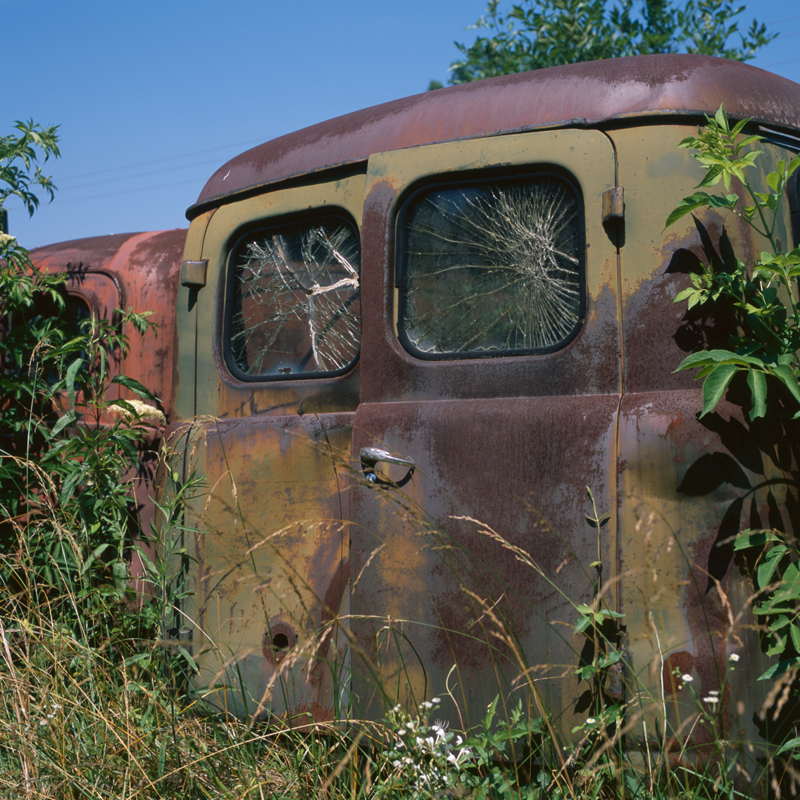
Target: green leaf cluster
{"points": [[547, 33], [68, 514], [19, 154], [763, 293], [777, 578], [764, 347]]}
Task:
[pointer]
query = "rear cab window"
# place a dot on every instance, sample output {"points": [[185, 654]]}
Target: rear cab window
{"points": [[491, 268]]}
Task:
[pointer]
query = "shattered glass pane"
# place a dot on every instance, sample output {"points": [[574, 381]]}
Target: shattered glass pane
{"points": [[491, 268], [296, 301]]}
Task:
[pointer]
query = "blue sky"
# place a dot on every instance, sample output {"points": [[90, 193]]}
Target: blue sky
{"points": [[152, 97]]}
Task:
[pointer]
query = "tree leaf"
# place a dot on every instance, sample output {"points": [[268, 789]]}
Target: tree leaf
{"points": [[134, 386], [750, 538], [715, 385], [784, 373], [757, 381], [67, 419], [70, 379], [705, 357], [768, 566], [686, 206], [780, 669]]}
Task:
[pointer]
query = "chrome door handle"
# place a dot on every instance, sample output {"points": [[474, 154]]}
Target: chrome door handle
{"points": [[371, 456]]}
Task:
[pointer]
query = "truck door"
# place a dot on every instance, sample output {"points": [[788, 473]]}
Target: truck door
{"points": [[490, 384], [277, 325]]}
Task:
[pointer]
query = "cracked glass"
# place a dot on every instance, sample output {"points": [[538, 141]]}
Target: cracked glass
{"points": [[296, 308], [493, 268]]}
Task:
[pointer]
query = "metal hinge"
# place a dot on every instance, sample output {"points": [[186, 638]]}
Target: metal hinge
{"points": [[193, 273], [613, 207]]}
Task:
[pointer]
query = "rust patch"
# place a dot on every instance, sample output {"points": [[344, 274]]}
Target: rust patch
{"points": [[586, 93], [675, 666], [660, 333]]}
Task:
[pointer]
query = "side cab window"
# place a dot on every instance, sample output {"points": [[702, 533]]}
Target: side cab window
{"points": [[294, 301]]}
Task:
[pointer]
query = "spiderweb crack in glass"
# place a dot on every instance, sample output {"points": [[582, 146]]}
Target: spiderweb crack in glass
{"points": [[297, 297], [493, 268]]}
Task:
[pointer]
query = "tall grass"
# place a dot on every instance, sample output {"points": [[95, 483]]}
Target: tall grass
{"points": [[96, 705]]}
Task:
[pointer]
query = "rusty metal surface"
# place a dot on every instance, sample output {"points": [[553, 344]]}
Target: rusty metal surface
{"points": [[272, 574], [587, 93], [270, 571], [511, 442], [588, 365], [135, 270], [437, 592], [200, 316], [686, 486]]}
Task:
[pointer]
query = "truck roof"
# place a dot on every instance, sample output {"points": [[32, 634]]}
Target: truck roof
{"points": [[589, 93]]}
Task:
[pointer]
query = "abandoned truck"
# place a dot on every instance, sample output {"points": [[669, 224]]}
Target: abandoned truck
{"points": [[409, 338], [138, 270]]}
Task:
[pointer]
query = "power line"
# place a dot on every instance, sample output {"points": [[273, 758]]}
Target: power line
{"points": [[65, 200], [784, 19], [67, 187], [162, 160]]}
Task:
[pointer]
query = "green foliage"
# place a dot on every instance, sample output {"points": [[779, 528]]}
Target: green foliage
{"points": [[33, 142], [762, 294], [764, 348], [777, 578], [547, 33]]}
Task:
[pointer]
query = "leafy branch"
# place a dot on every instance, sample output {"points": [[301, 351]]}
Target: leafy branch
{"points": [[768, 339], [534, 34], [33, 143]]}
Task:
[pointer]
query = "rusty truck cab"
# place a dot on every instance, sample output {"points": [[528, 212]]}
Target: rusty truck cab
{"points": [[408, 339], [122, 271]]}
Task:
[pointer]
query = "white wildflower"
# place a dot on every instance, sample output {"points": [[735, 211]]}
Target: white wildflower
{"points": [[6, 239], [687, 678], [733, 657], [711, 699], [591, 721]]}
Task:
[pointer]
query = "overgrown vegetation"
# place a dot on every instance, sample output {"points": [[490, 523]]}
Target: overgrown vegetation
{"points": [[95, 701]]}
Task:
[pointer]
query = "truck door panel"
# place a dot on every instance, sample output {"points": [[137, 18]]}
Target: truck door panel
{"points": [[457, 577], [274, 418]]}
